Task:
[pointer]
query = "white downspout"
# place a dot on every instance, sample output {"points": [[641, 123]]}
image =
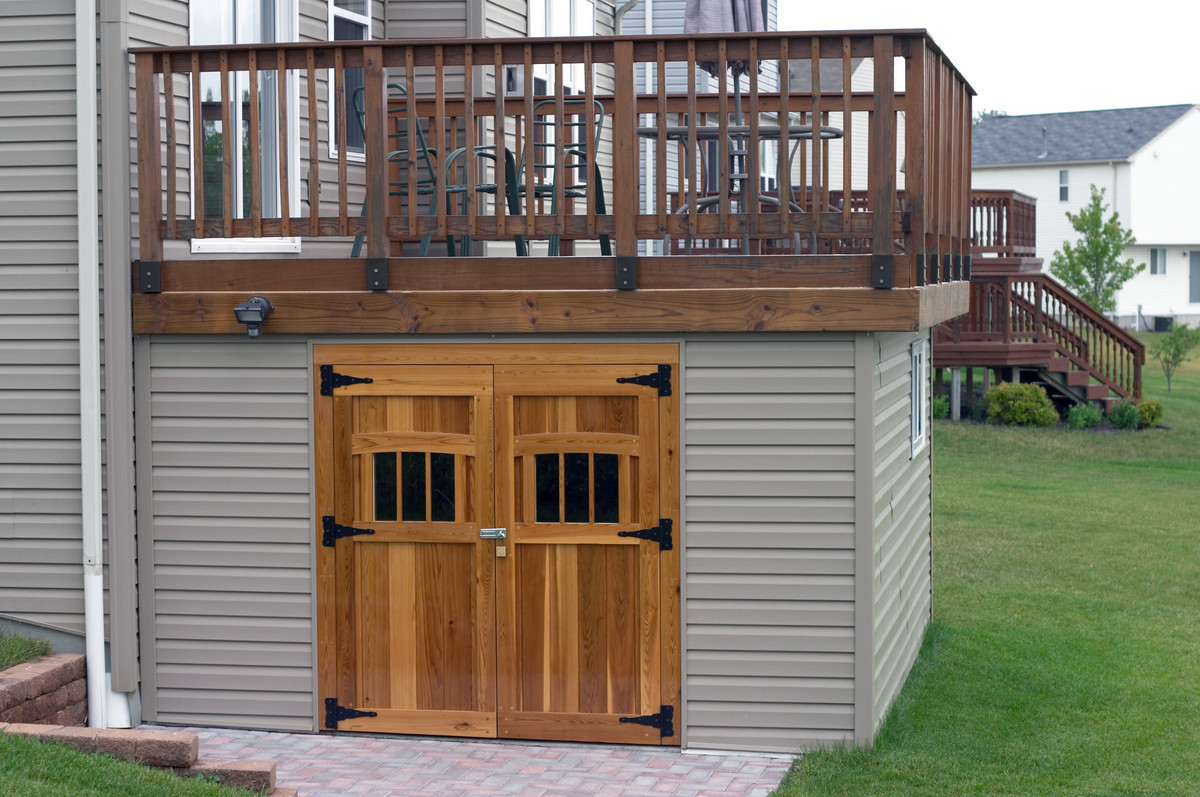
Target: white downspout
{"points": [[88, 211]]}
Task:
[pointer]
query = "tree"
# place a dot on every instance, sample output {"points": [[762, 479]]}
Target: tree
{"points": [[1092, 268], [984, 113], [1173, 348]]}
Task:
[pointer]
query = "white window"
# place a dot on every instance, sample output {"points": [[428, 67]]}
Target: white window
{"points": [[919, 394], [1158, 261], [245, 22], [1064, 192], [349, 20], [560, 18]]}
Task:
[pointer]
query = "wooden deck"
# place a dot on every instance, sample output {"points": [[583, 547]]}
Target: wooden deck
{"points": [[679, 222], [1021, 318]]}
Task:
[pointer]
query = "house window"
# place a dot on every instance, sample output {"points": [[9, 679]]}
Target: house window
{"points": [[349, 20], [919, 394], [560, 18], [242, 22], [1063, 186], [1158, 261]]}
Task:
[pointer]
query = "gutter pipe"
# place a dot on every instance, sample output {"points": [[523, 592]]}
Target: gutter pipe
{"points": [[100, 696]]}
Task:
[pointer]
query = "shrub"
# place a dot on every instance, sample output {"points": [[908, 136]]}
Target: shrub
{"points": [[1125, 415], [941, 406], [1150, 412], [1081, 416], [1019, 404]]}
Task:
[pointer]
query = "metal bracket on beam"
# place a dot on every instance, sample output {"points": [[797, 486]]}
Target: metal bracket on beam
{"points": [[957, 272], [947, 262], [906, 221], [626, 273], [377, 274], [149, 278], [882, 271], [966, 267], [920, 265]]}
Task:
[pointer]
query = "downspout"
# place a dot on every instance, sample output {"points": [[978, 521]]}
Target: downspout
{"points": [[621, 12], [88, 211]]}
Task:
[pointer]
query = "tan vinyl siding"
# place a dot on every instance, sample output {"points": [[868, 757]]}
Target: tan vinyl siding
{"points": [[428, 19], [903, 523], [227, 552], [40, 526], [769, 541]]}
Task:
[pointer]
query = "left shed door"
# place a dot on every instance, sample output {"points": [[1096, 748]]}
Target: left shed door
{"points": [[410, 636]]}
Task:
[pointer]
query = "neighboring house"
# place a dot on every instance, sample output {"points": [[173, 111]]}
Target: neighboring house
{"points": [[716, 486], [1148, 162]]}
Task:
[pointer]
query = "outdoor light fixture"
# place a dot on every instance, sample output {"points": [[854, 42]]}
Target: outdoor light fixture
{"points": [[253, 312]]}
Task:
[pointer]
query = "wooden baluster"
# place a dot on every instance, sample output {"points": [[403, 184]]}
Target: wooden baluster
{"points": [[285, 191], [254, 154], [625, 149], [376, 151], [314, 172], [227, 137], [168, 87]]}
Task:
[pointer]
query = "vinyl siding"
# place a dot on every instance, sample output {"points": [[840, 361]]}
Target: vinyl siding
{"points": [[227, 551], [40, 506], [768, 541], [903, 522]]}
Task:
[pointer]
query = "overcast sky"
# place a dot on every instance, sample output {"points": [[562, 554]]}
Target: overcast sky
{"points": [[1041, 56]]}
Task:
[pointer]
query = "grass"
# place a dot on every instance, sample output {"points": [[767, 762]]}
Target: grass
{"points": [[16, 650], [29, 768], [1064, 656]]}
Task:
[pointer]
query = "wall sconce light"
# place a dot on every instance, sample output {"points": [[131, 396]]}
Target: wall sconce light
{"points": [[253, 312]]}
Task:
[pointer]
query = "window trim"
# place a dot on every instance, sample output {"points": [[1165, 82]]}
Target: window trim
{"points": [[918, 396], [336, 13]]}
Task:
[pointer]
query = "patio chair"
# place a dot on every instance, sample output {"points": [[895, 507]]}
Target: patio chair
{"points": [[427, 173]]}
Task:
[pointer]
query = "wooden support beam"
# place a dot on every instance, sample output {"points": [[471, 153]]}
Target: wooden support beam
{"points": [[482, 312]]}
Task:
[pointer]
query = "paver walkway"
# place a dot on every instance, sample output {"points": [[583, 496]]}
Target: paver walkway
{"points": [[372, 766]]}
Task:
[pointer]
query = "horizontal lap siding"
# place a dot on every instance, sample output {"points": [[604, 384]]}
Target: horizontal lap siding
{"points": [[232, 534], [769, 542], [902, 523], [40, 526]]}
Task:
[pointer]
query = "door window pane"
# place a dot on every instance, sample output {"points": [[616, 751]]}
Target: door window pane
{"points": [[606, 469], [545, 469], [412, 464], [441, 468], [385, 485], [576, 484]]}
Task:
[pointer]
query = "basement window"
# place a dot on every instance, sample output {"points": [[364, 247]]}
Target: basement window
{"points": [[919, 395]]}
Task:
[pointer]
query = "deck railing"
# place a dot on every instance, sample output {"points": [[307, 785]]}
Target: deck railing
{"points": [[260, 142], [1003, 224], [1015, 309]]}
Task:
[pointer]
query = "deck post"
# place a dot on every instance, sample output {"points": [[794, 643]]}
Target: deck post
{"points": [[956, 394], [883, 164]]}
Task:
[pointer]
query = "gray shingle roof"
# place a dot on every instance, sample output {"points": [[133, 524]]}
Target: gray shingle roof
{"points": [[1080, 136]]}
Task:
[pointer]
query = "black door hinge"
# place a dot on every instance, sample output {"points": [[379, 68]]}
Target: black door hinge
{"points": [[335, 713], [660, 534], [660, 379], [331, 380], [334, 531], [663, 721]]}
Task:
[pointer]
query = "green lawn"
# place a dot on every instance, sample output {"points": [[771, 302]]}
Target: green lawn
{"points": [[1064, 657]]}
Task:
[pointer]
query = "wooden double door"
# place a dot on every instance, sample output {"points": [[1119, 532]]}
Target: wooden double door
{"points": [[496, 547]]}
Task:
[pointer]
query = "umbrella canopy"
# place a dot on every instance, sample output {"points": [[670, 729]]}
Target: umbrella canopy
{"points": [[723, 16]]}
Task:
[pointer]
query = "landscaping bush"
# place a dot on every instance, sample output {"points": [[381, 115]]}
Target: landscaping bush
{"points": [[1150, 412], [1018, 404], [941, 406], [1081, 416], [1125, 415]]}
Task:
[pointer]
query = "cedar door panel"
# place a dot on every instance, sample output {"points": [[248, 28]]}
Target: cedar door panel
{"points": [[414, 625], [578, 624]]}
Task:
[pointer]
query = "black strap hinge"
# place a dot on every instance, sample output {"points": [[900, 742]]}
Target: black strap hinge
{"points": [[663, 721], [331, 380], [334, 531], [660, 534], [335, 713], [660, 380]]}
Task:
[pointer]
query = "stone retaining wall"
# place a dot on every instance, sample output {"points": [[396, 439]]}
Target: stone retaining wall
{"points": [[51, 690]]}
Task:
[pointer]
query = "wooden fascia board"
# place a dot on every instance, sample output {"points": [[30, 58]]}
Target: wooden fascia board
{"points": [[484, 312]]}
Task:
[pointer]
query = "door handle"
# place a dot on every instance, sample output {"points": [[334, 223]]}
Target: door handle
{"points": [[493, 534]]}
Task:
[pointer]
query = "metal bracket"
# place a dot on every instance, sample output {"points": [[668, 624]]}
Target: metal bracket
{"points": [[906, 221], [920, 267], [663, 721], [956, 268], [626, 273], [331, 380], [149, 278], [882, 268], [966, 267], [660, 534], [660, 380], [335, 713], [377, 274], [947, 263], [335, 531]]}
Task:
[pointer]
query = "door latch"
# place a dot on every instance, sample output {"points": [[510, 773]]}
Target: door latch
{"points": [[499, 536]]}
